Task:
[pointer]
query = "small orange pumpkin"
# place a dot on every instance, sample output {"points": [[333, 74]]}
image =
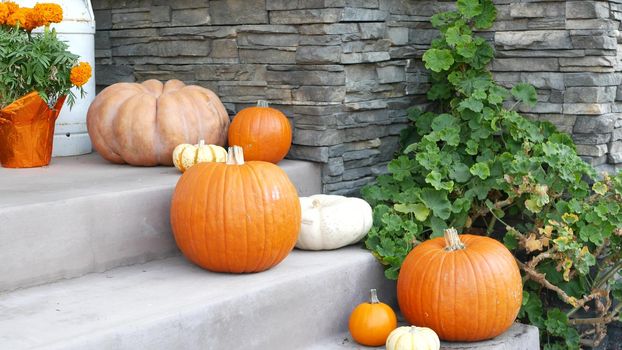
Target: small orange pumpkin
{"points": [[263, 132], [371, 323], [236, 216], [465, 288]]}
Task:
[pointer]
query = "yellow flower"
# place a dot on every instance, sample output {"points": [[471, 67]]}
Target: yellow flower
{"points": [[44, 14], [80, 74]]}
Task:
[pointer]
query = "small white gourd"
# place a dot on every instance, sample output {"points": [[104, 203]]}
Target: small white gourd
{"points": [[331, 222], [413, 338], [186, 155]]}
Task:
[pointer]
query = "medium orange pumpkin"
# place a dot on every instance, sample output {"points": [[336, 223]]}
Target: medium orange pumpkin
{"points": [[465, 288], [236, 216], [371, 323], [263, 132], [140, 124]]}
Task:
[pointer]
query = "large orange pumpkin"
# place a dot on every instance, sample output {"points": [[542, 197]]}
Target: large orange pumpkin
{"points": [[263, 132], [141, 124], [236, 216], [465, 288]]}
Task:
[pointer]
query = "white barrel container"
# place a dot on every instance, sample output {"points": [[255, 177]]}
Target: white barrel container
{"points": [[78, 30]]}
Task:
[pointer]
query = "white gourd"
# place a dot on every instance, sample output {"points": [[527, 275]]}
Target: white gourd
{"points": [[187, 155], [331, 222], [413, 338]]}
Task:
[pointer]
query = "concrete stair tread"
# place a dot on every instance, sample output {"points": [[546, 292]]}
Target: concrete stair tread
{"points": [[172, 304], [83, 214], [518, 337]]}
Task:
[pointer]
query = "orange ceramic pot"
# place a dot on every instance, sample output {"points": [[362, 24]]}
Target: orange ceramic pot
{"points": [[27, 132]]}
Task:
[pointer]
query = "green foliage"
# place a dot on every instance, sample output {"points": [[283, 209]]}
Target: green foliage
{"points": [[37, 62], [479, 166]]}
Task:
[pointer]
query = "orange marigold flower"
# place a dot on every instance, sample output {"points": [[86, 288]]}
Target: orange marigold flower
{"points": [[21, 16], [47, 13], [11, 6], [4, 13], [80, 74]]}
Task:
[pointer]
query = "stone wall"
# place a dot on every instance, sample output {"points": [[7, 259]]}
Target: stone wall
{"points": [[345, 71], [337, 68]]}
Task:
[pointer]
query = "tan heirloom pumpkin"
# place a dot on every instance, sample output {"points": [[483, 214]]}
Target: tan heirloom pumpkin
{"points": [[331, 222], [187, 155], [236, 216], [413, 338], [141, 124], [464, 287]]}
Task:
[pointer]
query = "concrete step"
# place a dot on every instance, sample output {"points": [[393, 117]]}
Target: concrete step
{"points": [[82, 214], [172, 304], [518, 337]]}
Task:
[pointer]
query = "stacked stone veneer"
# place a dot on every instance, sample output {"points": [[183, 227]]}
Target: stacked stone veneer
{"points": [[345, 71]]}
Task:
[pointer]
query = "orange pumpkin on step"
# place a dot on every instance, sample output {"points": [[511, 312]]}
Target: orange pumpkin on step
{"points": [[235, 216], [371, 323], [465, 288], [263, 132]]}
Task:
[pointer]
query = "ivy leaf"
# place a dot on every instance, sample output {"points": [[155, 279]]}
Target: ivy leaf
{"points": [[483, 55], [497, 94], [471, 103], [438, 60], [460, 172], [439, 91], [486, 19], [437, 201], [401, 167], [469, 8], [480, 170], [466, 50], [525, 93], [454, 37], [420, 211], [600, 188], [472, 147]]}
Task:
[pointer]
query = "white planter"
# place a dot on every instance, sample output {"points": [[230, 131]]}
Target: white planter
{"points": [[78, 30]]}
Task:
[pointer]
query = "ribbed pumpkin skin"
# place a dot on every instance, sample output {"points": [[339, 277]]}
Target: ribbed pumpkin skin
{"points": [[235, 218], [140, 124], [465, 295], [263, 132], [370, 324]]}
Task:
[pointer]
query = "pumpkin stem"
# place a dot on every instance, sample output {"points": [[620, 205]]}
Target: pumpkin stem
{"points": [[452, 240], [374, 296], [235, 155], [201, 143], [262, 103]]}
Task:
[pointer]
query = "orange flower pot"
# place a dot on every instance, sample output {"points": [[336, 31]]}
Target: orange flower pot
{"points": [[27, 132]]}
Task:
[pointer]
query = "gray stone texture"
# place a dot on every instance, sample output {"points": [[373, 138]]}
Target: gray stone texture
{"points": [[345, 71]]}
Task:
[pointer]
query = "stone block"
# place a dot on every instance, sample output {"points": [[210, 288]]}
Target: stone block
{"points": [[616, 135], [372, 30], [537, 9], [348, 187], [335, 28], [319, 94], [164, 49], [238, 12], [587, 108], [326, 15], [191, 17], [590, 94], [534, 40], [586, 9], [318, 54], [334, 167], [398, 35], [314, 154], [111, 74], [274, 56], [591, 139], [592, 150], [268, 39], [601, 23], [390, 74], [589, 61], [136, 18], [354, 14], [594, 161], [298, 77], [615, 152], [525, 65], [224, 48], [317, 40], [230, 72], [180, 4], [103, 18], [200, 32], [543, 80], [592, 79], [364, 57], [373, 4], [356, 173], [594, 42], [160, 14]]}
